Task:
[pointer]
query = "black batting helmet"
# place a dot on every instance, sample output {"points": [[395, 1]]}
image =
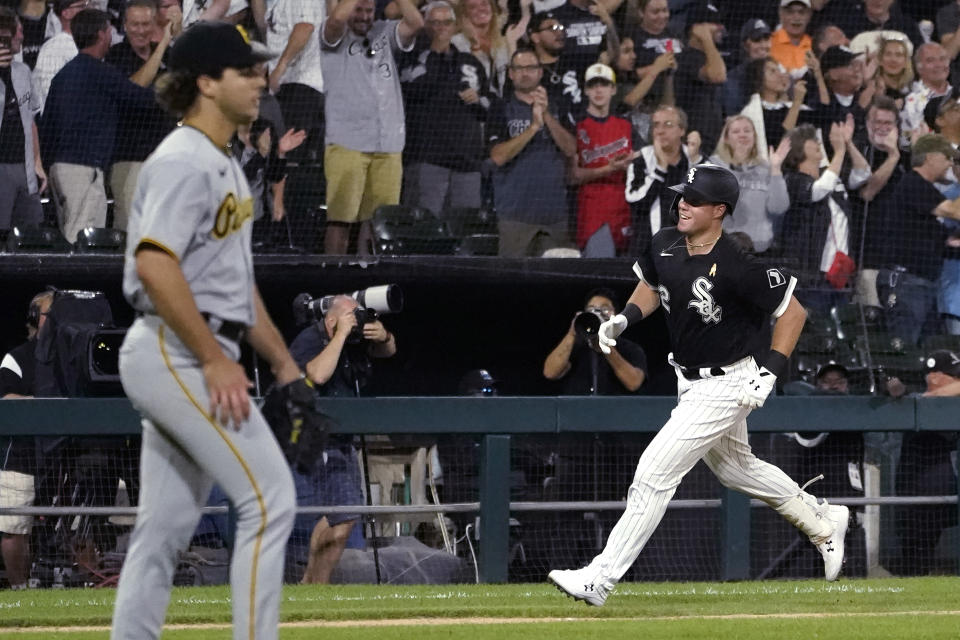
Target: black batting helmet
{"points": [[707, 184]]}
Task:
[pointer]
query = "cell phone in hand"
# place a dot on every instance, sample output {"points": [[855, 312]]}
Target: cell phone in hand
{"points": [[6, 42], [668, 45]]}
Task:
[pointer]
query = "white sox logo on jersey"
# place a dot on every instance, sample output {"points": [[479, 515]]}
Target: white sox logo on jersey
{"points": [[704, 304]]}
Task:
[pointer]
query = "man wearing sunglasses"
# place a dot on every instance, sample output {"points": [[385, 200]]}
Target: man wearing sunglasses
{"points": [[364, 116], [561, 77]]}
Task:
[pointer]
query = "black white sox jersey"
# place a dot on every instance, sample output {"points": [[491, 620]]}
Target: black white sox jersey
{"points": [[718, 305]]}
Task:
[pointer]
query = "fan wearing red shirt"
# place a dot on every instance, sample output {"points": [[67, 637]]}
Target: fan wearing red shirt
{"points": [[604, 151]]}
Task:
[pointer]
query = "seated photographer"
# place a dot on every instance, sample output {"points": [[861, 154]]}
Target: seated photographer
{"points": [[336, 355], [583, 368]]}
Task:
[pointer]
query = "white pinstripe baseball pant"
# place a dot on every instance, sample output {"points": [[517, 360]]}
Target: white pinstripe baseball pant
{"points": [[706, 424]]}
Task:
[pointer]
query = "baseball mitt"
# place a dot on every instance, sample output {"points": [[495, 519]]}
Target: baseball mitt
{"points": [[300, 427]]}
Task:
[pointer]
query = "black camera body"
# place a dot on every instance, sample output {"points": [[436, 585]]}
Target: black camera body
{"points": [[364, 316]]}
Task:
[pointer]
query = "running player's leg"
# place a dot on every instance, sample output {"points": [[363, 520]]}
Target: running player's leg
{"points": [[735, 465], [172, 490], [733, 462], [694, 426]]}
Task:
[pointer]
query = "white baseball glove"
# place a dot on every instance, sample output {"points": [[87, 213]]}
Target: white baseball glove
{"points": [[609, 330], [756, 389]]}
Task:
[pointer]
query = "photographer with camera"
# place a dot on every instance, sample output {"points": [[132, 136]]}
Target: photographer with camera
{"points": [[336, 354], [583, 368]]}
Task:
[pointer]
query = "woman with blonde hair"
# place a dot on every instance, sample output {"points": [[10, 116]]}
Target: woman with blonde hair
{"points": [[480, 34], [894, 74], [763, 191]]}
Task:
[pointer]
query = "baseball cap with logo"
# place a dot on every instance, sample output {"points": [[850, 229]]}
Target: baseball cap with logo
{"points": [[209, 47], [710, 11], [943, 361], [708, 183], [599, 71], [754, 30]]}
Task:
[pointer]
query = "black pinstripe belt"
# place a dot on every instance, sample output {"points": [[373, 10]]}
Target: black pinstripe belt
{"points": [[694, 374]]}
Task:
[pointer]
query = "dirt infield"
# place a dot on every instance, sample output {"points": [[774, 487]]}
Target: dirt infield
{"points": [[407, 622]]}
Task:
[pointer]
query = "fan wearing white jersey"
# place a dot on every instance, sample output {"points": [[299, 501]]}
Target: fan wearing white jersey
{"points": [[718, 303]]}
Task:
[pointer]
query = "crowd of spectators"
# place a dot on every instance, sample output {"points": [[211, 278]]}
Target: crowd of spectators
{"points": [[566, 119]]}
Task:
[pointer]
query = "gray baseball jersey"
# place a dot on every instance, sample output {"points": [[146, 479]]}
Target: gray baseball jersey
{"points": [[205, 222]]}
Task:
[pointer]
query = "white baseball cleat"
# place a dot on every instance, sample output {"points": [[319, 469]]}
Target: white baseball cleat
{"points": [[581, 584], [832, 548]]}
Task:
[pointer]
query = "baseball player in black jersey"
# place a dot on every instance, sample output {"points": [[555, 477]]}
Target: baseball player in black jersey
{"points": [[718, 303]]}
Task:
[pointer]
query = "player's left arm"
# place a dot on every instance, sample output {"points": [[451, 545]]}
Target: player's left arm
{"points": [[267, 341], [787, 328]]}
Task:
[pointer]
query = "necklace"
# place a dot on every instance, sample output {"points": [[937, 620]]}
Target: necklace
{"points": [[702, 244]]}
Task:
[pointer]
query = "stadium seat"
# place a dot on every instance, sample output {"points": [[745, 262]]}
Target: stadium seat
{"points": [[465, 221], [400, 230], [476, 229], [891, 355], [98, 240], [479, 244], [850, 320], [37, 240]]}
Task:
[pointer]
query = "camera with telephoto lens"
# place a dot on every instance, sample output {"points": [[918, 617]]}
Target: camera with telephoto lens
{"points": [[587, 324], [372, 302]]}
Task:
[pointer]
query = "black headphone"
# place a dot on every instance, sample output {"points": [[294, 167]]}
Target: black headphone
{"points": [[33, 314]]}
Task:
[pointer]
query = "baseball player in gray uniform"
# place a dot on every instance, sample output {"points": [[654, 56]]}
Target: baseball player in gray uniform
{"points": [[188, 271], [718, 304]]}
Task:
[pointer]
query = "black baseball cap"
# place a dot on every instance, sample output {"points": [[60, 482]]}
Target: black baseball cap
{"points": [[830, 367], [709, 183], [937, 106], [536, 22], [710, 11], [209, 47], [943, 361], [837, 56], [755, 30]]}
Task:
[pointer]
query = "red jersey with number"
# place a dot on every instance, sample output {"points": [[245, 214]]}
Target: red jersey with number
{"points": [[600, 140]]}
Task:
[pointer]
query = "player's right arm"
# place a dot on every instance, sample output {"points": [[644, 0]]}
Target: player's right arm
{"points": [[165, 284], [644, 298], [643, 301]]}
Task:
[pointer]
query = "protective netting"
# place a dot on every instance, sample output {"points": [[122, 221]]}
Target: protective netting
{"points": [[77, 547]]}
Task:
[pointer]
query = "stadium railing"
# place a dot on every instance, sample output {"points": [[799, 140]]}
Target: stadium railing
{"points": [[496, 420]]}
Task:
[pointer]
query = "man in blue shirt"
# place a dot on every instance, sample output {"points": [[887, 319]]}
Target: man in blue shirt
{"points": [[79, 124]]}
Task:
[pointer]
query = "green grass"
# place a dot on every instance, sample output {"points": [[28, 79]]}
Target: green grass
{"points": [[851, 609]]}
